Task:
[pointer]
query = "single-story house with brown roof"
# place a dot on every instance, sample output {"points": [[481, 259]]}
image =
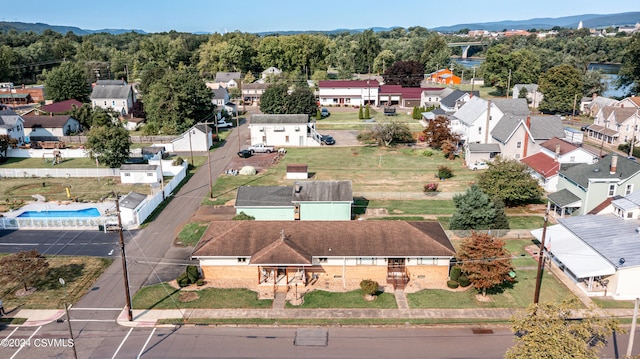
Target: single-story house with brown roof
{"points": [[44, 127], [288, 253]]}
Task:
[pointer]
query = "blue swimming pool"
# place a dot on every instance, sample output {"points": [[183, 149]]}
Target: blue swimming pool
{"points": [[87, 212]]}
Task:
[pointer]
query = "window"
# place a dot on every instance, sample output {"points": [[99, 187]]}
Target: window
{"points": [[322, 260], [149, 174], [278, 129], [479, 130], [127, 174], [519, 144], [630, 214], [242, 260], [572, 159], [264, 139], [286, 139], [612, 190], [366, 261], [105, 103], [113, 103], [427, 261], [517, 155], [628, 190]]}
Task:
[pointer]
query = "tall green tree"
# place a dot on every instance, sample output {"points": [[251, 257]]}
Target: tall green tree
{"points": [[559, 330], [176, 102], [274, 99], [109, 144], [7, 57], [485, 262], [559, 86], [277, 100], [509, 181], [475, 210], [630, 70], [368, 48], [67, 81]]}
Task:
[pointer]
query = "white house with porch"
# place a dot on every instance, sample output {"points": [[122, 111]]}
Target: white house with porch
{"points": [[283, 130], [348, 92]]}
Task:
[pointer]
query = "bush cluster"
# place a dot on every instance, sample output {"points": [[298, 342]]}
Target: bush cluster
{"points": [[189, 276], [369, 286], [444, 172], [457, 278], [431, 187]]}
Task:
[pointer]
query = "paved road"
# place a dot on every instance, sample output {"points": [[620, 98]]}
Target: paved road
{"points": [[67, 243]]}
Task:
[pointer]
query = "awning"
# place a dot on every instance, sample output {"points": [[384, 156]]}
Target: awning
{"points": [[564, 198], [577, 256]]}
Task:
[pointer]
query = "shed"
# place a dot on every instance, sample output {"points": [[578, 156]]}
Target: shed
{"points": [[129, 207], [140, 173], [297, 171]]}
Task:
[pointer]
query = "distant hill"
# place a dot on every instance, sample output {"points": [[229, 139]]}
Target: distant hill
{"points": [[40, 27], [588, 20]]}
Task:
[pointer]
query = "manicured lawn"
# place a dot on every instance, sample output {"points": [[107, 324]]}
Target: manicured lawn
{"points": [[520, 295], [515, 247], [613, 304], [79, 274], [515, 221], [191, 233], [353, 299], [332, 321], [164, 296], [426, 206], [397, 218]]}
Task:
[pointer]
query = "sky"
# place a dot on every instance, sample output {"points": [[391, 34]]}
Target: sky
{"points": [[284, 15]]}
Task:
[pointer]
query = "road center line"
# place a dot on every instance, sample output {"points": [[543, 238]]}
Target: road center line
{"points": [[146, 343], [29, 340], [122, 343]]}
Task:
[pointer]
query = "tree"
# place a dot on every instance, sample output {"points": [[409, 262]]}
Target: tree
{"points": [[176, 102], [385, 58], [277, 100], [404, 73], [485, 261], [274, 99], [386, 134], [110, 144], [5, 142], [630, 70], [475, 210], [559, 86], [559, 330], [438, 132], [368, 48], [24, 267], [509, 181], [67, 81], [302, 100]]}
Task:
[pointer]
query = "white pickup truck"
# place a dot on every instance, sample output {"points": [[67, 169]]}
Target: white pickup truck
{"points": [[260, 148]]}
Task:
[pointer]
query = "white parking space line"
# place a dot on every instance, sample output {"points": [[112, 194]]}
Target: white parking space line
{"points": [[145, 344], [122, 343], [10, 334], [18, 351]]}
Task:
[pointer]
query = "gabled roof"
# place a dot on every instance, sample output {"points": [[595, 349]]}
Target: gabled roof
{"points": [[581, 173], [596, 231], [507, 126], [219, 93], [451, 99], [281, 251], [470, 112], [279, 119], [132, 200], [9, 118], [629, 202], [531, 88], [619, 114], [565, 147], [326, 238], [542, 164], [515, 106], [546, 127], [110, 89], [43, 121], [602, 102], [405, 92], [226, 76], [563, 198], [264, 196], [62, 106], [255, 86], [322, 191], [348, 83]]}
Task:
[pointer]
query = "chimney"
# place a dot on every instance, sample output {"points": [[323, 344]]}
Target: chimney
{"points": [[282, 236], [594, 95], [298, 188], [614, 164], [557, 152]]}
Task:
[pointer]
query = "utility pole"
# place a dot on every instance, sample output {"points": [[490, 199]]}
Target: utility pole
{"points": [[508, 83], [632, 332], [536, 294], [66, 310], [633, 137], [209, 160], [190, 146], [473, 79], [124, 261], [606, 123]]}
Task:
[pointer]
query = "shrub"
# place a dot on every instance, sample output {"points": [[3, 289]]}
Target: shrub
{"points": [[200, 282], [192, 274], [183, 280], [177, 161], [427, 153], [243, 217], [464, 281], [431, 187], [444, 172], [452, 284], [369, 286], [455, 273]]}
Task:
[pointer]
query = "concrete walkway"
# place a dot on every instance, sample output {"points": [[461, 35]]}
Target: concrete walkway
{"points": [[401, 299]]}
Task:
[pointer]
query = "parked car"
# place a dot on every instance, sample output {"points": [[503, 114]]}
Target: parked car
{"points": [[260, 148], [244, 154], [584, 128], [324, 112], [479, 166], [327, 140], [224, 124]]}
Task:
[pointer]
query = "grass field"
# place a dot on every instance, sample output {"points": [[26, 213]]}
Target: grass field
{"points": [[191, 233], [347, 119], [79, 274], [164, 296], [518, 295], [353, 299]]}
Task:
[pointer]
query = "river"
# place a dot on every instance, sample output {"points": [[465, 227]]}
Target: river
{"points": [[609, 74]]}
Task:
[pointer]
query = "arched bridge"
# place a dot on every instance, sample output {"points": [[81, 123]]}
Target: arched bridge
{"points": [[465, 46]]}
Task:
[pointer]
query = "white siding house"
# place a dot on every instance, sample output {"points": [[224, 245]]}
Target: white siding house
{"points": [[283, 130], [113, 94], [348, 93], [12, 124]]}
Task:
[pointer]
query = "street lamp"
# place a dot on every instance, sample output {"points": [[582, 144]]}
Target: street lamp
{"points": [[66, 310]]}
